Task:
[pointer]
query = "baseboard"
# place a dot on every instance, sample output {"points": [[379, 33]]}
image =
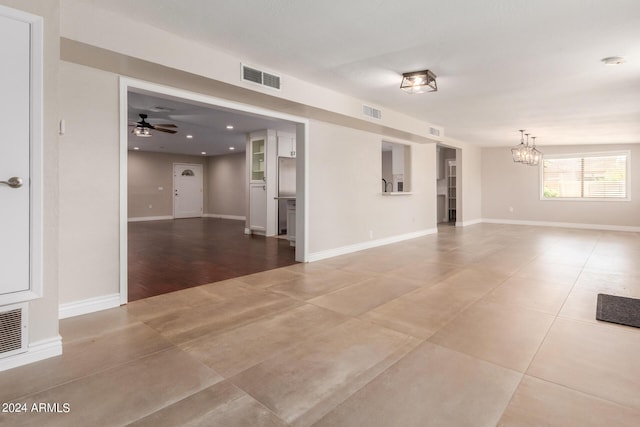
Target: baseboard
{"points": [[605, 227], [91, 305], [150, 218], [236, 217], [468, 223], [37, 351], [330, 253]]}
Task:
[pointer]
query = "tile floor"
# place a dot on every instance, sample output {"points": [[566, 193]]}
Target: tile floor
{"points": [[480, 326]]}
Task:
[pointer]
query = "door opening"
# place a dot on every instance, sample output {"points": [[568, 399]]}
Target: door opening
{"points": [[226, 112]]}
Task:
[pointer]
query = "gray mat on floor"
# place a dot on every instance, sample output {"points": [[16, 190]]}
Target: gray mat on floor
{"points": [[622, 310]]}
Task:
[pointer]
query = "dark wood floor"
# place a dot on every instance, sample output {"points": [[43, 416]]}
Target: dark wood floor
{"points": [[166, 256]]}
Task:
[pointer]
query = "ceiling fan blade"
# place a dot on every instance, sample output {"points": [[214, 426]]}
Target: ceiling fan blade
{"points": [[165, 130], [166, 125]]}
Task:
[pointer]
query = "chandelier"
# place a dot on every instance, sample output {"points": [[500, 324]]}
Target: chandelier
{"points": [[525, 153]]}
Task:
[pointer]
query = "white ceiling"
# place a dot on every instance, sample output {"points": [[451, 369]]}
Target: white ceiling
{"points": [[206, 125], [502, 65]]}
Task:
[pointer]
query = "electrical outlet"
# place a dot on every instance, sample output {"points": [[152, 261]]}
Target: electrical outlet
{"points": [[150, 206], [510, 208], [371, 234]]}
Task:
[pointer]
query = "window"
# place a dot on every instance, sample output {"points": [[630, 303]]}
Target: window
{"points": [[595, 176]]}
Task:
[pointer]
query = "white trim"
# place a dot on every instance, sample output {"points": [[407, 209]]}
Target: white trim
{"points": [[124, 208], [90, 305], [317, 256], [37, 351], [221, 216], [149, 218], [468, 223], [606, 227]]}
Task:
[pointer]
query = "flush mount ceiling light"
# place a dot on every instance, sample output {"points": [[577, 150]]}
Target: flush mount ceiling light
{"points": [[419, 82], [229, 127], [189, 136], [525, 153], [613, 60]]}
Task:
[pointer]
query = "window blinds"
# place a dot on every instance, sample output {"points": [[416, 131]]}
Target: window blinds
{"points": [[602, 176]]}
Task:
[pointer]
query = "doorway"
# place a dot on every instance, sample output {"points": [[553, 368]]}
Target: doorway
{"points": [[299, 128], [447, 185]]}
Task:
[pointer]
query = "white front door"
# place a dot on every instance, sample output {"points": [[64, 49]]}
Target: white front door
{"points": [[20, 116], [187, 190]]}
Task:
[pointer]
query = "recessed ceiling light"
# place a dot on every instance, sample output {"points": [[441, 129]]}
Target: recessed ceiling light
{"points": [[613, 60], [232, 148], [189, 136], [229, 127], [136, 148], [204, 153]]}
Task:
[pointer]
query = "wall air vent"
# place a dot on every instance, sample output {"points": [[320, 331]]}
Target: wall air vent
{"points": [[372, 112], [262, 78], [13, 329], [434, 131]]}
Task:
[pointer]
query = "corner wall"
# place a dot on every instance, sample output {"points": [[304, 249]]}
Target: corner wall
{"points": [[509, 185], [346, 207]]}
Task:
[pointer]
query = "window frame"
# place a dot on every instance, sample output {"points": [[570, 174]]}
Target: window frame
{"points": [[626, 153]]}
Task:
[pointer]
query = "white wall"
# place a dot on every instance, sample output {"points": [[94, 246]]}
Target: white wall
{"points": [[227, 185], [346, 206], [508, 185], [471, 192], [89, 176]]}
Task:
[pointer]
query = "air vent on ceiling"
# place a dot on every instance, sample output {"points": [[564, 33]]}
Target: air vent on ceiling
{"points": [[13, 330], [372, 112], [262, 78], [434, 131]]}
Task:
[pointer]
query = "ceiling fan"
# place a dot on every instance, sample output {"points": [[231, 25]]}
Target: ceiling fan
{"points": [[143, 127]]}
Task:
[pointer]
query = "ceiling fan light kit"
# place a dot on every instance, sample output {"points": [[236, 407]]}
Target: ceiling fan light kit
{"points": [[419, 82], [143, 128]]}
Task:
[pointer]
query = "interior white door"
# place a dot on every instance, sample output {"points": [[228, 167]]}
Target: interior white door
{"points": [[14, 155], [187, 190]]}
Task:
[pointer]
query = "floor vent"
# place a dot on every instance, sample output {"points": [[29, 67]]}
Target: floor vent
{"points": [[13, 329], [372, 112], [262, 78]]}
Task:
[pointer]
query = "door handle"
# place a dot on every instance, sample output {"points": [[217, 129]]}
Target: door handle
{"points": [[13, 182]]}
